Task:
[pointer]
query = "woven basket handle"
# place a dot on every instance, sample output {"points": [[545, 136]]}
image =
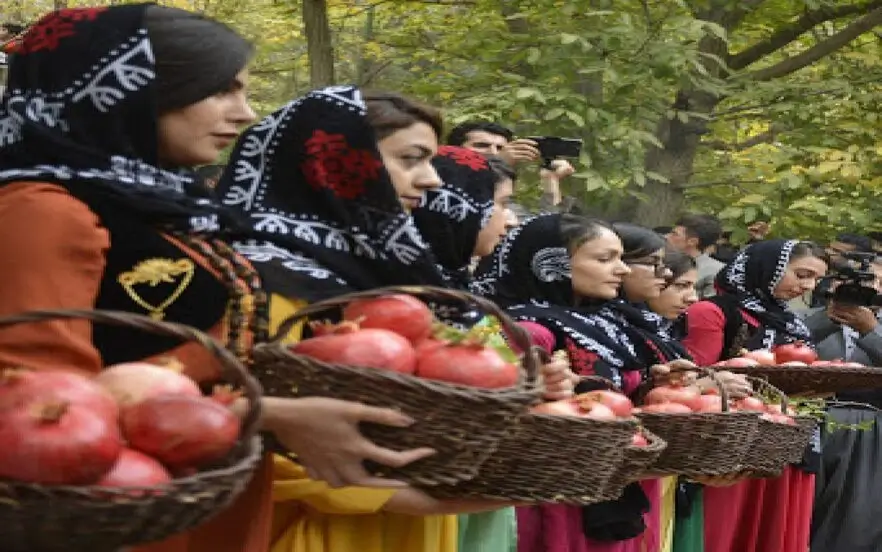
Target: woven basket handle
{"points": [[518, 335], [712, 374], [232, 369]]}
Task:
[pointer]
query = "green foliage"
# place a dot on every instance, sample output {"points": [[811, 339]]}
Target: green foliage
{"points": [[800, 149]]}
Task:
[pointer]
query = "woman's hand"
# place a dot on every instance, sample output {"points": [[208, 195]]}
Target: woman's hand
{"points": [[324, 435], [675, 371], [736, 385], [557, 378]]}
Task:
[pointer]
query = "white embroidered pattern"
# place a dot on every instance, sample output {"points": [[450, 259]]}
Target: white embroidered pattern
{"points": [[551, 264]]}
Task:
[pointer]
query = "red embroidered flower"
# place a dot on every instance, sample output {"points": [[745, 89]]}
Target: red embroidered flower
{"points": [[48, 32], [334, 166], [466, 157], [581, 360]]}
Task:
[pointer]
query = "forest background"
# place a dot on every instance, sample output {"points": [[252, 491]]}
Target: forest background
{"points": [[751, 109]]}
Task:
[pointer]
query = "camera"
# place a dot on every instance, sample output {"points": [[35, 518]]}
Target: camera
{"points": [[554, 147], [853, 273]]}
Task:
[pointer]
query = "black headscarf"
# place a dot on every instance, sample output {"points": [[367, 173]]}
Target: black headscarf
{"points": [[313, 185], [529, 274], [750, 279], [451, 217], [80, 111]]}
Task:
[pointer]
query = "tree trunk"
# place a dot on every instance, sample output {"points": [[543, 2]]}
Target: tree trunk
{"points": [[320, 48]]}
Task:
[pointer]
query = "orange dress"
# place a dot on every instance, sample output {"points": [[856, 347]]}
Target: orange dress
{"points": [[52, 256]]}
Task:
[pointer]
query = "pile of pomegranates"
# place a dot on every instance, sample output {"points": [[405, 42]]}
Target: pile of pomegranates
{"points": [[790, 354], [132, 425], [600, 405], [677, 398], [399, 333]]}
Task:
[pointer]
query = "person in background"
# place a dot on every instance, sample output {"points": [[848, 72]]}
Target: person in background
{"points": [[836, 249], [696, 235], [847, 488], [495, 139], [725, 250], [758, 231]]}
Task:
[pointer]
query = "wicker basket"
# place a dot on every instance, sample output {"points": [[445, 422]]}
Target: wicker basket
{"points": [[700, 443], [552, 459], [775, 444], [636, 465], [37, 518], [811, 380], [463, 424]]}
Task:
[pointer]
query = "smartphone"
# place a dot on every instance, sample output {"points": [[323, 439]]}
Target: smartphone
{"points": [[554, 147]]}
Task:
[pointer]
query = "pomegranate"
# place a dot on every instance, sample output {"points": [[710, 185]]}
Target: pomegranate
{"points": [[346, 343], [133, 382], [797, 350], [558, 408], [779, 418], [180, 431], [56, 442], [740, 362], [133, 469], [666, 408], [750, 404], [225, 394], [761, 356], [793, 363], [825, 363], [710, 403], [405, 315], [617, 402], [597, 411], [852, 365], [467, 364], [19, 387], [682, 394], [639, 440], [776, 409]]}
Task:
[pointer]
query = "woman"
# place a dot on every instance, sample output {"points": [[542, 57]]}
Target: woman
{"points": [[677, 497], [751, 312], [465, 217], [107, 108], [329, 181]]}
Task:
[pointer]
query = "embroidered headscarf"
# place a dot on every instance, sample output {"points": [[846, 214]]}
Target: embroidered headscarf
{"points": [[80, 111], [530, 275], [312, 183], [451, 217], [751, 279]]}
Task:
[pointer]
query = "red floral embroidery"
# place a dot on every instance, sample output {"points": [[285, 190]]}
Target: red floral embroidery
{"points": [[581, 360], [48, 32], [466, 157], [334, 166]]}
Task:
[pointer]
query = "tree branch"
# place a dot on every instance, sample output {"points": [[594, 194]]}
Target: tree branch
{"points": [[787, 34], [821, 49], [761, 138]]}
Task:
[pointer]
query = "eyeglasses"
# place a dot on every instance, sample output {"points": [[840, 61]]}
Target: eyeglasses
{"points": [[659, 270]]}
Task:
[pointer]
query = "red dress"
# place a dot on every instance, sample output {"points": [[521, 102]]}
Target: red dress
{"points": [[757, 515]]}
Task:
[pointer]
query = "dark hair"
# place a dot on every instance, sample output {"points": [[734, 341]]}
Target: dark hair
{"points": [[460, 133], [13, 28], [637, 241], [576, 230], [706, 228], [862, 244], [502, 169], [196, 57], [678, 263], [663, 230], [809, 249], [388, 112]]}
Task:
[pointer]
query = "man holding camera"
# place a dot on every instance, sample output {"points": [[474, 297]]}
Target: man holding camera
{"points": [[495, 139], [849, 332], [847, 509]]}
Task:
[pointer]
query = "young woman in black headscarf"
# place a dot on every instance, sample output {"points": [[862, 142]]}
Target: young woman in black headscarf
{"points": [[106, 111], [751, 312], [327, 185]]}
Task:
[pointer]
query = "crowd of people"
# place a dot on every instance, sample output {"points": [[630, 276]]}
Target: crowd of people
{"points": [[107, 114]]}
